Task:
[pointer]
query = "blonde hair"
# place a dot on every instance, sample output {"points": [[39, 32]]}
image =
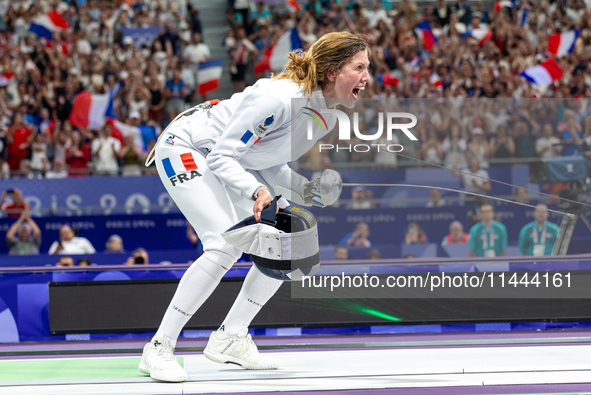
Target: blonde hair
{"points": [[333, 50]]}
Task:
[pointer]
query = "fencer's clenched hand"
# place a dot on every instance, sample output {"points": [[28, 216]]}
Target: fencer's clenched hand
{"points": [[264, 199], [325, 190]]}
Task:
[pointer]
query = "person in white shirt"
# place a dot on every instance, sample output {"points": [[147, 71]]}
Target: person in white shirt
{"points": [[193, 54], [475, 180], [69, 244], [225, 162], [105, 149], [546, 146]]}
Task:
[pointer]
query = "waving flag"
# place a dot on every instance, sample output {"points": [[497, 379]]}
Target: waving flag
{"points": [[141, 35], [275, 58], [436, 82], [122, 130], [482, 35], [425, 33], [543, 74], [89, 111], [45, 25], [388, 79], [560, 44], [6, 78], [523, 16], [504, 4], [293, 6], [209, 74]]}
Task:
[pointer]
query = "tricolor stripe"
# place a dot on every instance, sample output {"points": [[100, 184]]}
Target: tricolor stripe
{"points": [[560, 44], [543, 74], [424, 31], [187, 161], [209, 74]]}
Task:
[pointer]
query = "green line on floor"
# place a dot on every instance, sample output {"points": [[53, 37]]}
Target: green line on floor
{"points": [[71, 369]]}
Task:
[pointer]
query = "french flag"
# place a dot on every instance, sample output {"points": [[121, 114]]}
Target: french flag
{"points": [[6, 78], [414, 63], [209, 74], [275, 58], [89, 111], [436, 82], [543, 74], [504, 4], [560, 44], [45, 25], [482, 35], [293, 6], [388, 79], [122, 130], [424, 32], [523, 16]]}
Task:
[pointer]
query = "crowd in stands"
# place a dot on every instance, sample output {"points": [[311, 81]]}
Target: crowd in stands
{"points": [[41, 77]]}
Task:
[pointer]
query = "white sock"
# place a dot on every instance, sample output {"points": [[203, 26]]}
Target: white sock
{"points": [[196, 285], [256, 291]]}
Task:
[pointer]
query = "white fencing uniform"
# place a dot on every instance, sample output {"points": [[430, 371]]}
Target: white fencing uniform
{"points": [[211, 163]]}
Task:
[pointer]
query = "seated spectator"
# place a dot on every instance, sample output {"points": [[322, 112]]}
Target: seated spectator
{"points": [[413, 234], [341, 253], [58, 170], [114, 244], [548, 146], [436, 199], [70, 244], [537, 238], [139, 257], [488, 238], [475, 180], [456, 234], [374, 254], [83, 262], [360, 199], [357, 238], [65, 260], [16, 207], [29, 236]]}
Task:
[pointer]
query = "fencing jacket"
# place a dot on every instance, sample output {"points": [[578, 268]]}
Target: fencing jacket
{"points": [[258, 129]]}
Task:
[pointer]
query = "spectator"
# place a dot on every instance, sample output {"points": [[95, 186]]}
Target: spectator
{"points": [[475, 180], [502, 145], [193, 54], [131, 155], [360, 199], [435, 198], [114, 244], [572, 135], [244, 52], [454, 148], [39, 161], [548, 146], [456, 234], [374, 254], [77, 156], [139, 257], [158, 99], [431, 150], [105, 149], [409, 256], [19, 138], [176, 91], [58, 170], [69, 243], [357, 238], [65, 261], [488, 238], [479, 148], [341, 253], [525, 146], [29, 236], [521, 195], [414, 234], [83, 262], [537, 238], [16, 207]]}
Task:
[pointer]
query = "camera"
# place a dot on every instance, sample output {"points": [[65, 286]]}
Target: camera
{"points": [[9, 191], [139, 260]]}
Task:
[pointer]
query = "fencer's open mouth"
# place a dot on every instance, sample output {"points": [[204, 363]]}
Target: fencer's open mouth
{"points": [[357, 92]]}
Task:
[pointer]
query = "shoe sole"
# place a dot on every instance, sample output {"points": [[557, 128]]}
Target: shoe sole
{"points": [[146, 370], [226, 359]]}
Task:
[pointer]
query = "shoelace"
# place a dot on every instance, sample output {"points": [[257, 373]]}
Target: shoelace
{"points": [[249, 343], [167, 353]]}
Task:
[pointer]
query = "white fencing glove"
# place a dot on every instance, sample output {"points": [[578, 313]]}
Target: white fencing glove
{"points": [[325, 190]]}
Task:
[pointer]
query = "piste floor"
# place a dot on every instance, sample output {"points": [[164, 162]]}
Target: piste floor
{"points": [[493, 363]]}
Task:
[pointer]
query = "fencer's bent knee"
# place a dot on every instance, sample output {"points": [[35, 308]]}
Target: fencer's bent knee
{"points": [[225, 259]]}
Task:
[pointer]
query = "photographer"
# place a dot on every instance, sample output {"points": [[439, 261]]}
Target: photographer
{"points": [[24, 244], [139, 257], [358, 238]]}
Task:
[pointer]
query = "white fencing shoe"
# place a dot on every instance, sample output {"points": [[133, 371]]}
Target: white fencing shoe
{"points": [[239, 350], [159, 362]]}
